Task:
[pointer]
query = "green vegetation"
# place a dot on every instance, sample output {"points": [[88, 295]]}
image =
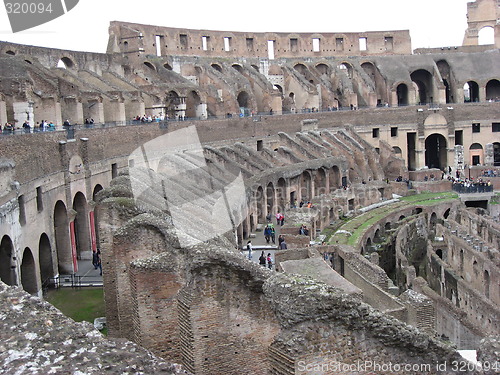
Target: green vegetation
{"points": [[357, 226], [495, 199], [83, 304]]}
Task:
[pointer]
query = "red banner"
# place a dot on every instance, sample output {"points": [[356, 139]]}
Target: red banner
{"points": [[73, 245], [92, 231]]}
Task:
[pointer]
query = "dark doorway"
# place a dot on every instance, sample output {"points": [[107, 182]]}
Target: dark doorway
{"points": [[435, 151]]}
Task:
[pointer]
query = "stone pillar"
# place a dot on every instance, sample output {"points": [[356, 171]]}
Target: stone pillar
{"points": [[459, 157], [489, 157], [420, 153]]}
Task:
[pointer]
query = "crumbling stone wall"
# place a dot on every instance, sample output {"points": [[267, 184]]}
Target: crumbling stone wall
{"points": [[37, 338]]}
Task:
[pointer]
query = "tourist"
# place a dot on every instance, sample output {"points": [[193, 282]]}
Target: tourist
{"points": [[269, 260], [249, 248], [267, 233], [282, 245], [262, 259], [273, 233], [281, 238]]}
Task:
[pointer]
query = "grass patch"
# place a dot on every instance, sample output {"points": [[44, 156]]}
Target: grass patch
{"points": [[83, 304]]}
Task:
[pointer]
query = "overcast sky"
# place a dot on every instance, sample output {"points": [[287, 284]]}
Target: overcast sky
{"points": [[432, 23]]}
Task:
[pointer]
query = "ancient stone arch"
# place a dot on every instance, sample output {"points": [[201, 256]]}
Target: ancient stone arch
{"points": [[62, 238], [28, 272], [46, 259], [7, 273]]}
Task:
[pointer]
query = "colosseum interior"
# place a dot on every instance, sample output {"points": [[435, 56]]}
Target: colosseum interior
{"points": [[168, 152]]}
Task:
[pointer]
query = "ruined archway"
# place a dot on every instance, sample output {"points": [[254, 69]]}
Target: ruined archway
{"points": [[423, 80], [435, 151], [305, 186], [63, 244], [335, 178], [493, 90], [320, 182], [448, 80], [28, 272], [65, 63], [193, 105], [82, 234], [244, 103], [45, 259], [486, 36], [217, 67], [7, 265], [402, 94], [323, 69], [471, 92]]}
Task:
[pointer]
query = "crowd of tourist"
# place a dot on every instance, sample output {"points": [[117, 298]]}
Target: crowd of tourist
{"points": [[470, 185]]}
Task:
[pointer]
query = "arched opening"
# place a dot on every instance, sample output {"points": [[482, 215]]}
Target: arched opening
{"points": [[217, 67], [238, 68], [320, 182], [493, 90], [423, 80], [28, 272], [433, 223], [193, 103], [376, 236], [445, 72], [387, 226], [476, 154], [435, 151], [446, 214], [281, 194], [167, 66], [368, 245], [486, 36], [335, 179], [305, 186], [396, 150], [323, 69], [7, 265], [82, 235], [346, 68], [471, 92], [63, 243], [256, 68], [270, 198], [10, 52], [439, 253], [45, 259], [486, 284], [149, 65], [243, 103], [301, 68], [279, 88], [401, 217], [402, 94], [172, 104], [496, 154], [65, 63]]}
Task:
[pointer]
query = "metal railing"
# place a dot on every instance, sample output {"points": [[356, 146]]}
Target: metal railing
{"points": [[472, 188]]}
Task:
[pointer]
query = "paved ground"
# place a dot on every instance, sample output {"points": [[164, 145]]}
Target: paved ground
{"points": [[259, 244]]}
